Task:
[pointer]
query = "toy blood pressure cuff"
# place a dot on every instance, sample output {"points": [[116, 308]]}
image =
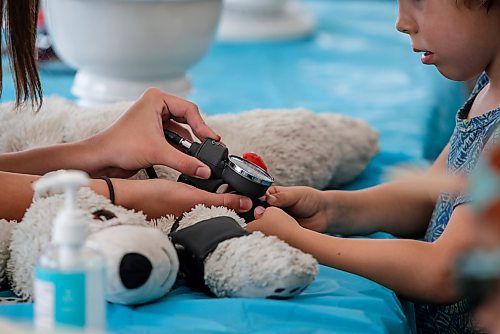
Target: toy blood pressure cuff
{"points": [[196, 242]]}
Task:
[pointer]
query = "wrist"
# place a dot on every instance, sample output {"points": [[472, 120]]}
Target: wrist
{"points": [[99, 187], [125, 193], [117, 190], [111, 190], [295, 236], [135, 195], [331, 202], [89, 154]]}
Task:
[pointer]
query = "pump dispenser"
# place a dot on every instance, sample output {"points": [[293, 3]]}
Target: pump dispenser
{"points": [[69, 277]]}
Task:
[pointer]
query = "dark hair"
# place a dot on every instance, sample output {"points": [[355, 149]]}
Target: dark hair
{"points": [[19, 18]]}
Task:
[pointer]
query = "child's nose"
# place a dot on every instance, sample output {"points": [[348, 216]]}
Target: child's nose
{"points": [[405, 23]]}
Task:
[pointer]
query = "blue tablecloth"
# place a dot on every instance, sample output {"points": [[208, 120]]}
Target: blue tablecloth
{"points": [[356, 64], [337, 302]]}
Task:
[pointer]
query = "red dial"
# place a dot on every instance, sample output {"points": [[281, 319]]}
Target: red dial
{"points": [[255, 159]]}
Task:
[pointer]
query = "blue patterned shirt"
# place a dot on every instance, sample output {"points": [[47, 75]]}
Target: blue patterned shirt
{"points": [[467, 142]]}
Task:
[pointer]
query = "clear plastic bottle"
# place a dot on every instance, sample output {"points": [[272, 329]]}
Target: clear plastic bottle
{"points": [[70, 276]]}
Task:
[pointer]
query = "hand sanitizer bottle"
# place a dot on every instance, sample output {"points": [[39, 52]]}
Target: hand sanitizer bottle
{"points": [[69, 277]]}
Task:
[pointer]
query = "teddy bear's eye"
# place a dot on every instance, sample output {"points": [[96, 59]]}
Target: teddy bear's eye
{"points": [[103, 215]]}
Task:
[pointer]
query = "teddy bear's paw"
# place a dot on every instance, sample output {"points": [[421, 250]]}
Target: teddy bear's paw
{"points": [[138, 271], [258, 266]]}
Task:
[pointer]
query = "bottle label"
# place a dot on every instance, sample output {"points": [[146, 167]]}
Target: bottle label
{"points": [[60, 298], [69, 299]]}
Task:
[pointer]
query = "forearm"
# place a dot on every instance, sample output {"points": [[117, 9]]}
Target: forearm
{"points": [[391, 207], [157, 197], [38, 161], [17, 193], [413, 269]]}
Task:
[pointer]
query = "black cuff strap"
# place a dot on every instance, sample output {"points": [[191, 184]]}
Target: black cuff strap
{"points": [[196, 242]]}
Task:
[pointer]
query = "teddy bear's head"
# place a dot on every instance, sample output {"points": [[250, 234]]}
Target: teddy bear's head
{"points": [[141, 262]]}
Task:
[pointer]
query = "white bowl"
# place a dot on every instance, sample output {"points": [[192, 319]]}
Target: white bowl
{"points": [[257, 6], [247, 20], [121, 47]]}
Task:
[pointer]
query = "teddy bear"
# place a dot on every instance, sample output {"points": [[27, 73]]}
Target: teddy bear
{"points": [[142, 259], [300, 147]]}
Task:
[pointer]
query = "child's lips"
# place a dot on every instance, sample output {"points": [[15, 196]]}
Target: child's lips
{"points": [[427, 56]]}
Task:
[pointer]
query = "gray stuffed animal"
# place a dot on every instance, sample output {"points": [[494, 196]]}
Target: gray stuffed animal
{"points": [[299, 147]]}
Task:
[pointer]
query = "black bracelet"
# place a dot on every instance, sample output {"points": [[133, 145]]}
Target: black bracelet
{"points": [[110, 188]]}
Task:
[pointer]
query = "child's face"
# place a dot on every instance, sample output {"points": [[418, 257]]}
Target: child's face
{"points": [[461, 42]]}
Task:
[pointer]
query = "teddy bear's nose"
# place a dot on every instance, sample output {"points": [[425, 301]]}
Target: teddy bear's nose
{"points": [[135, 269]]}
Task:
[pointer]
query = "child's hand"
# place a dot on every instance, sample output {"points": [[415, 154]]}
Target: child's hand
{"points": [[307, 205], [136, 140], [274, 221]]}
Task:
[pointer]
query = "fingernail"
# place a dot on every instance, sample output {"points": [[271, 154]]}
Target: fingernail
{"points": [[203, 172], [245, 204], [271, 199], [259, 210]]}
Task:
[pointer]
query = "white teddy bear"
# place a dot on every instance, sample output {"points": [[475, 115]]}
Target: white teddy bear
{"points": [[298, 146], [142, 263]]}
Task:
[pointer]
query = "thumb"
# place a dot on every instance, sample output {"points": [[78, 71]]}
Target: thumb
{"points": [[281, 197], [252, 226], [259, 212], [184, 163]]}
